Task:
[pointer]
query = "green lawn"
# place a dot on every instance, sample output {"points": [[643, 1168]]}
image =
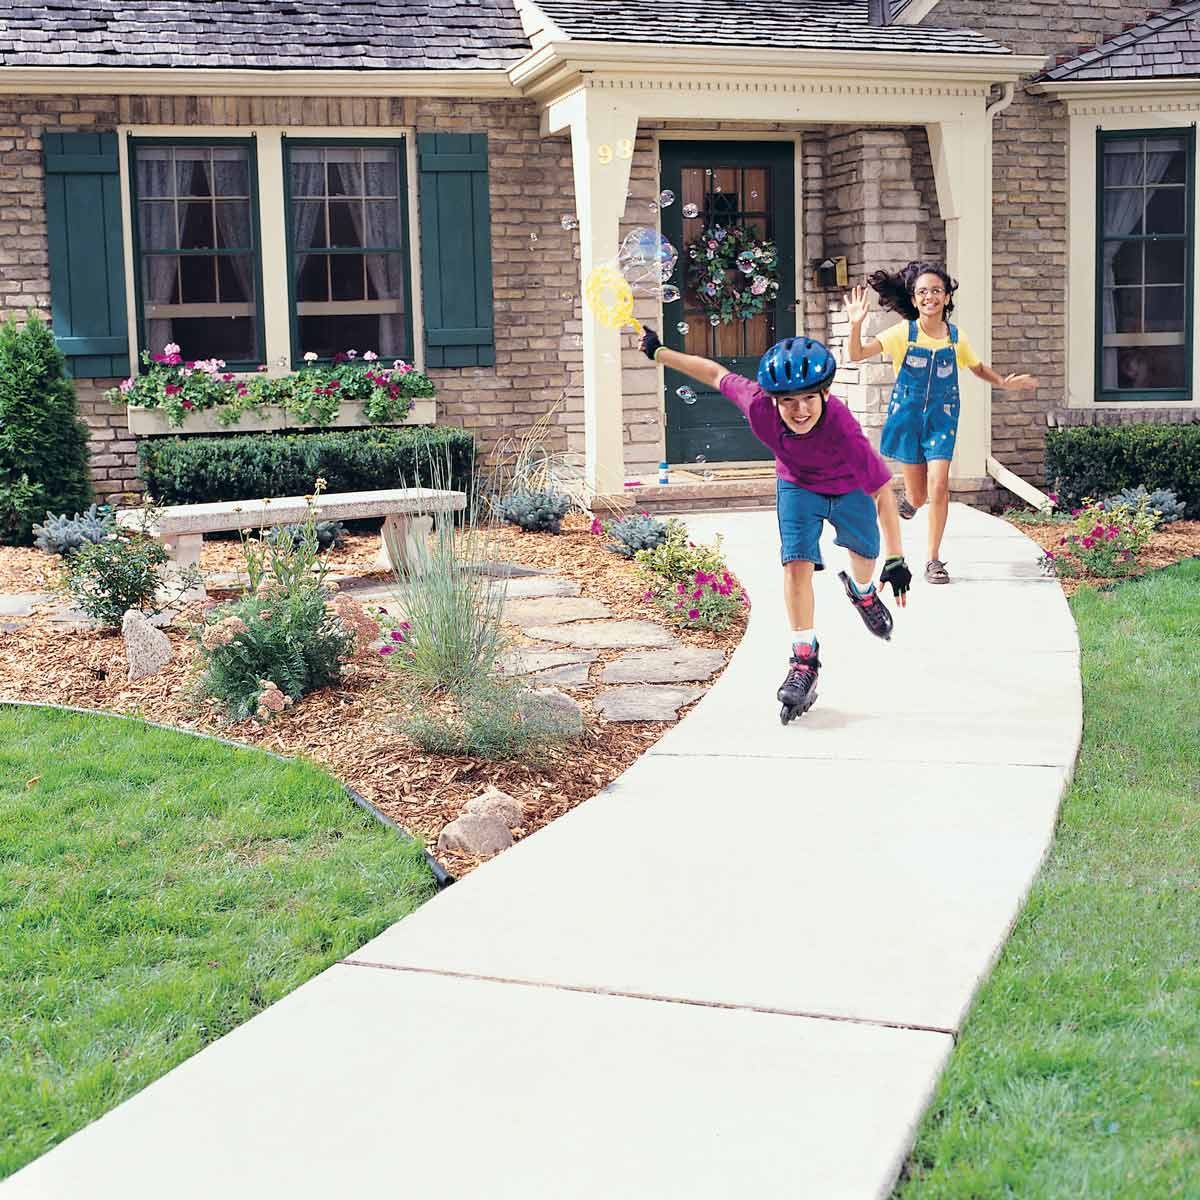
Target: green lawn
{"points": [[156, 890], [1077, 1076]]}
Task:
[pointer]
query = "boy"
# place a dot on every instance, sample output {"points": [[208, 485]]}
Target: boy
{"points": [[826, 471]]}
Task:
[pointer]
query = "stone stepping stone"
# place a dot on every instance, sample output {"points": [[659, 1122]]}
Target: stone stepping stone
{"points": [[607, 635], [649, 702], [504, 570], [677, 665], [554, 610], [21, 604], [569, 667], [547, 585]]}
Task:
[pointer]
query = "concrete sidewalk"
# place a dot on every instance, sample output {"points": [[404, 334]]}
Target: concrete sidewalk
{"points": [[736, 971]]}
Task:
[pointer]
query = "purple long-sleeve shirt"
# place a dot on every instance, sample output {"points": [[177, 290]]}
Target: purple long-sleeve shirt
{"points": [[833, 458]]}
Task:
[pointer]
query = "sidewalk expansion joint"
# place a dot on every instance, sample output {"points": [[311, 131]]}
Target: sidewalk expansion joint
{"points": [[652, 996], [897, 762]]}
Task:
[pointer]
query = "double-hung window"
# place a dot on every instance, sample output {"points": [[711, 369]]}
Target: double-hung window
{"points": [[347, 222], [196, 248], [1144, 258]]}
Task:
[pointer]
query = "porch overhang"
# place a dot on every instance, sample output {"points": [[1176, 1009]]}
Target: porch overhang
{"points": [[1147, 93]]}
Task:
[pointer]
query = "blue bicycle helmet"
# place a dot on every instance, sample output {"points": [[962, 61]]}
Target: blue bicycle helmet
{"points": [[796, 365]]}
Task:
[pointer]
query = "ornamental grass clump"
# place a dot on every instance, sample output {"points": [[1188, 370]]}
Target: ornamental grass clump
{"points": [[1103, 544], [288, 635], [634, 533]]}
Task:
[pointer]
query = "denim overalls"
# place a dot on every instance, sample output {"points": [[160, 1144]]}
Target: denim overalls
{"points": [[923, 412]]}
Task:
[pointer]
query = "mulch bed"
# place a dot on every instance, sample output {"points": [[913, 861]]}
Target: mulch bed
{"points": [[1167, 546], [354, 729]]}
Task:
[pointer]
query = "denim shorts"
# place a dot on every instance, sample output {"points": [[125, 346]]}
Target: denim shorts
{"points": [[802, 515]]}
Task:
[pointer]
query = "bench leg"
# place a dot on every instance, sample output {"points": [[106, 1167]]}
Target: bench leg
{"points": [[403, 547], [184, 549]]}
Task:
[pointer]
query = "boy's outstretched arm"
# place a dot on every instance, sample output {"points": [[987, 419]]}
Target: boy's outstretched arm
{"points": [[702, 370]]}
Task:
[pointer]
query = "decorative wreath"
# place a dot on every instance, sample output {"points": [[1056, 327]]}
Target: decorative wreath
{"points": [[733, 272]]}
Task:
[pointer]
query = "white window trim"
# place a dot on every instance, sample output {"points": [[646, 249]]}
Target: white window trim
{"points": [[272, 217], [1087, 119]]}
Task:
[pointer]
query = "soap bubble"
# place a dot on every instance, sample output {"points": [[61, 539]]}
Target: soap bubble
{"points": [[700, 458], [691, 210], [666, 198], [569, 221], [682, 327], [686, 394], [753, 195], [708, 170], [646, 259], [670, 294], [653, 206], [708, 477], [714, 320], [533, 237]]}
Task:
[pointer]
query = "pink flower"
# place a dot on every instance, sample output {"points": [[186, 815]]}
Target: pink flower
{"points": [[647, 595], [597, 526], [397, 635], [387, 649], [698, 593], [172, 389], [263, 367], [681, 588], [1053, 497], [759, 285], [370, 356], [1088, 543], [187, 404], [171, 348], [693, 614], [227, 378], [126, 385]]}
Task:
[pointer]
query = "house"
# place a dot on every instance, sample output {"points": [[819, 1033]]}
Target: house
{"points": [[433, 179]]}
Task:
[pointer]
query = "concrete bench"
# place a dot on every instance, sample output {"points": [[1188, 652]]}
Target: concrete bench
{"points": [[407, 512]]}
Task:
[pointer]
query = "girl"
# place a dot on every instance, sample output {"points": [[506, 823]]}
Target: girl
{"points": [[926, 352]]}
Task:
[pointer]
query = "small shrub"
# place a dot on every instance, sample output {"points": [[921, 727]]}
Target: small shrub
{"points": [[535, 510], [676, 560], [493, 719], [64, 535], [43, 444], [128, 569], [248, 466], [1102, 544], [1098, 460], [330, 535], [1161, 501], [706, 602], [634, 533], [285, 637]]}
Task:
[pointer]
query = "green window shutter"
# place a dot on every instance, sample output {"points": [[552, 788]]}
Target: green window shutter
{"points": [[87, 264], [456, 250]]}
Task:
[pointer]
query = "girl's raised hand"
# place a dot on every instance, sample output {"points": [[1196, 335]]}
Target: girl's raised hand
{"points": [[857, 306], [1020, 383]]}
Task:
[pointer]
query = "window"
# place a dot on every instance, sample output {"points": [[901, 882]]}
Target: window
{"points": [[1144, 259], [347, 225], [196, 249]]}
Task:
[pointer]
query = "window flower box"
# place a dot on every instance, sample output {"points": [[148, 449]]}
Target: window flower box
{"points": [[177, 396]]}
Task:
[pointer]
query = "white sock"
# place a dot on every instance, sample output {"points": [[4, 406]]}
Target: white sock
{"points": [[863, 589], [803, 635]]}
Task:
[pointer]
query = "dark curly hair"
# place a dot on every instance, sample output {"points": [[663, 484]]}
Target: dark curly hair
{"points": [[895, 288]]}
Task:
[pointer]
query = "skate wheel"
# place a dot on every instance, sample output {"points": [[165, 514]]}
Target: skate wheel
{"points": [[786, 714]]}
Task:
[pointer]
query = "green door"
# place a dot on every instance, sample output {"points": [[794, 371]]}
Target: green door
{"points": [[730, 183]]}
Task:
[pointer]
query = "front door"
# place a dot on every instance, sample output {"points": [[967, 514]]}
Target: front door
{"points": [[729, 183]]}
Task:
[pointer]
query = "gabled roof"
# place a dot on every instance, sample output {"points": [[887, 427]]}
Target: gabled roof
{"points": [[1164, 46], [263, 34], [774, 25]]}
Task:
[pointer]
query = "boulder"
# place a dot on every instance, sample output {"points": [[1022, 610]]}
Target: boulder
{"points": [[556, 707], [476, 834], [500, 805], [147, 650]]}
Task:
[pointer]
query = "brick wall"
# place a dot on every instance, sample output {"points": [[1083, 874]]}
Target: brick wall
{"points": [[1030, 210]]}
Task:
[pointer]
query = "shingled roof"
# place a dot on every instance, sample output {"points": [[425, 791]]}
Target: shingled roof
{"points": [[307, 34], [772, 24], [1164, 46]]}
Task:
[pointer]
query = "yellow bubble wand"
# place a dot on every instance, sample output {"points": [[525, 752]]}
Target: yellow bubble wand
{"points": [[610, 297]]}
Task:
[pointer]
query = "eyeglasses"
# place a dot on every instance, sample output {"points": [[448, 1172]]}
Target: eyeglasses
{"points": [[921, 293]]}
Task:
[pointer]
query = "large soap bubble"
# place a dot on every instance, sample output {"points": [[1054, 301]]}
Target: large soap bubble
{"points": [[646, 259]]}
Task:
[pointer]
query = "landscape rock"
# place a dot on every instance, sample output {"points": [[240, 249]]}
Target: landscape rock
{"points": [[614, 635], [554, 610], [652, 702], [526, 661], [477, 834], [147, 650], [565, 712], [499, 805], [679, 664], [21, 604]]}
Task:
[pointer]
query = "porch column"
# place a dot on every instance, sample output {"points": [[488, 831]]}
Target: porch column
{"points": [[602, 136], [962, 162]]}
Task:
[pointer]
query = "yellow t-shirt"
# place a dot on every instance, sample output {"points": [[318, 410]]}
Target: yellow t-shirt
{"points": [[894, 341]]}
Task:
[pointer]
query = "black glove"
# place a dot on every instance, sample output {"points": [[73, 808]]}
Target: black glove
{"points": [[650, 343], [896, 572]]}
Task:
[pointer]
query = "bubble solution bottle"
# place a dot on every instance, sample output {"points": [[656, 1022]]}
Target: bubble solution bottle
{"points": [[663, 476]]}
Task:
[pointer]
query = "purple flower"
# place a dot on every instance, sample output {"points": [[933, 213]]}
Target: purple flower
{"points": [[693, 614], [386, 649], [597, 525], [397, 635]]}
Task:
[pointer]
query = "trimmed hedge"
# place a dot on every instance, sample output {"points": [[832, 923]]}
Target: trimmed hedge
{"points": [[1099, 460], [192, 470]]}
